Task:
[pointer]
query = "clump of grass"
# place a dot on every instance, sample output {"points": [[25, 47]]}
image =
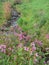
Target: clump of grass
{"points": [[34, 17], [2, 19], [7, 10]]}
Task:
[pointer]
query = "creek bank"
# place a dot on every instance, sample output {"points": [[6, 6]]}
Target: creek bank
{"points": [[12, 21]]}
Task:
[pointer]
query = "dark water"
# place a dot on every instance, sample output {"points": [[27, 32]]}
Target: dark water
{"points": [[12, 21], [14, 17]]}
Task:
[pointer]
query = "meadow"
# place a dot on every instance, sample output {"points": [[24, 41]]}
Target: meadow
{"points": [[26, 43]]}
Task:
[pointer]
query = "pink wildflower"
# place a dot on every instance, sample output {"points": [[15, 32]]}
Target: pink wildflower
{"points": [[21, 36], [44, 62], [38, 42], [3, 48], [36, 54], [33, 48], [33, 44], [26, 48]]}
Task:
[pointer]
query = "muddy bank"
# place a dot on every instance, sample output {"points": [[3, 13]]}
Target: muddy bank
{"points": [[12, 21], [14, 17]]}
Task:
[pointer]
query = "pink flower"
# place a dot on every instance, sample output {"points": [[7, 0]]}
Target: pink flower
{"points": [[33, 44], [47, 36], [33, 48], [44, 62], [36, 54], [21, 36], [26, 48], [38, 42], [3, 48]]}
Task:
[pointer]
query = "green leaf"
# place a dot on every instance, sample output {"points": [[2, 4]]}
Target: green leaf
{"points": [[30, 61]]}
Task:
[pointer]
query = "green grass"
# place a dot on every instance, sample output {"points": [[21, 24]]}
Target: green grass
{"points": [[2, 17], [1, 14], [35, 18], [33, 12]]}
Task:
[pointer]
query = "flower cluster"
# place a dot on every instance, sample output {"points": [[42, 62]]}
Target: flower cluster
{"points": [[38, 42], [24, 47], [3, 48]]}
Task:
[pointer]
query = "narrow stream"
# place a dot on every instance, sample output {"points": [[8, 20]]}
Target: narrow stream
{"points": [[12, 21], [14, 17]]}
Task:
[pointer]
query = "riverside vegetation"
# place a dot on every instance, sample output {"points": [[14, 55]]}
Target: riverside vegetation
{"points": [[24, 32]]}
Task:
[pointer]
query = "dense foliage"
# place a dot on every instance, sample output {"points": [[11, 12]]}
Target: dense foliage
{"points": [[26, 43]]}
